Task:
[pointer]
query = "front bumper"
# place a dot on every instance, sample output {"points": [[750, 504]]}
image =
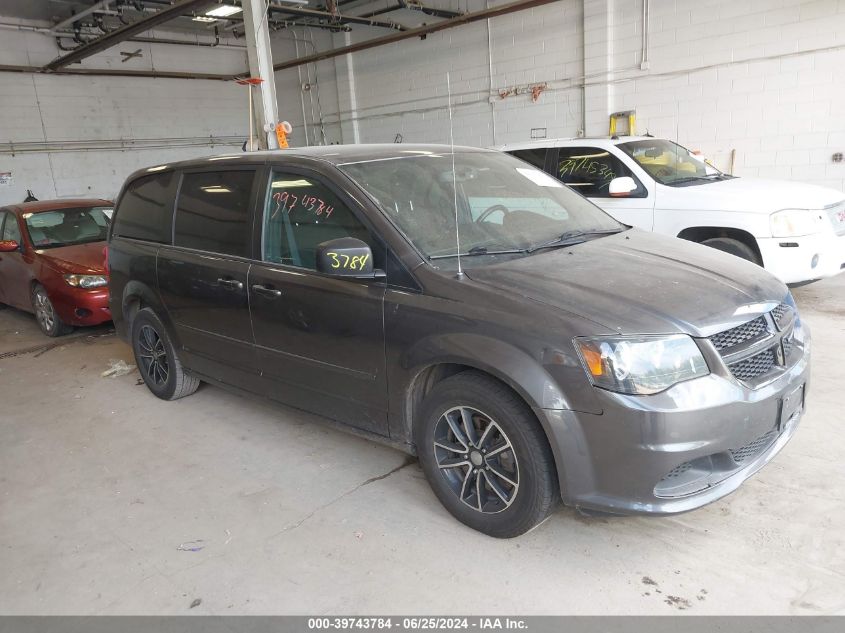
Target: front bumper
{"points": [[791, 259], [81, 307], [677, 450]]}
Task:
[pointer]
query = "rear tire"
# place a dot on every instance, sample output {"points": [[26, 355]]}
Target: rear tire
{"points": [[734, 247], [486, 456], [156, 358], [46, 315]]}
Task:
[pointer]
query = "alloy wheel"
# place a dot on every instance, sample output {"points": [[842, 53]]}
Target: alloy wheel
{"points": [[44, 311], [477, 460], [153, 355]]}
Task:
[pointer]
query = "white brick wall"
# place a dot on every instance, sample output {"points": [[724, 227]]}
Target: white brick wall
{"points": [[52, 109], [774, 98], [762, 77]]}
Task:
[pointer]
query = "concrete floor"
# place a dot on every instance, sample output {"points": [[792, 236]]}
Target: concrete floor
{"points": [[112, 501]]}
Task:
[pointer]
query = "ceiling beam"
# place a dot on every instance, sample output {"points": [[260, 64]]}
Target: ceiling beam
{"points": [[504, 9], [125, 32], [116, 72]]}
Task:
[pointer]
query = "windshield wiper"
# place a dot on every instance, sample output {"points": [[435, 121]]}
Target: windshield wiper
{"points": [[481, 250], [708, 178], [570, 238]]}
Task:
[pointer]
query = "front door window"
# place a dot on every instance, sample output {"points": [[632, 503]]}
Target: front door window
{"points": [[300, 213]]}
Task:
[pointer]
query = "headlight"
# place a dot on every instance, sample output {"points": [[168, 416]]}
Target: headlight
{"points": [[790, 301], [86, 281], [795, 222], [640, 364]]}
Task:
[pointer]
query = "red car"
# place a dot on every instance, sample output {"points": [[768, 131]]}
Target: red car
{"points": [[52, 262]]}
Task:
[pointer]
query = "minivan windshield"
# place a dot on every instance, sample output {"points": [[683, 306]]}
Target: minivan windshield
{"points": [[503, 206], [67, 227], [671, 164]]}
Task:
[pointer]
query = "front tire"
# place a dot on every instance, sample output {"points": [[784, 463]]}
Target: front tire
{"points": [[46, 315], [156, 359], [734, 247], [485, 455]]}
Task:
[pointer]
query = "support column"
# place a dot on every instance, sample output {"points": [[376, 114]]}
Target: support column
{"points": [[261, 65]]}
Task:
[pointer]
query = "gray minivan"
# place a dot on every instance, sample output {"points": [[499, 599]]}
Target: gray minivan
{"points": [[468, 308]]}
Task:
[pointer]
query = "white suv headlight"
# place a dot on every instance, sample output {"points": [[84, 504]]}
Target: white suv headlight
{"points": [[640, 364], [796, 222]]}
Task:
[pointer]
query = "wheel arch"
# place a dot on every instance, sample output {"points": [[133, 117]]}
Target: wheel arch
{"points": [[525, 377], [426, 379], [700, 233], [137, 296]]}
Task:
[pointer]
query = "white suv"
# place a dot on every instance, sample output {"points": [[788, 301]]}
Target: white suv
{"points": [[794, 230]]}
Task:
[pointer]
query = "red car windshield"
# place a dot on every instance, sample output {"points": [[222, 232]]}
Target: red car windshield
{"points": [[66, 227]]}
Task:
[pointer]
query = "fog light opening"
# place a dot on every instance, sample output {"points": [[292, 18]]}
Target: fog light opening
{"points": [[82, 313]]}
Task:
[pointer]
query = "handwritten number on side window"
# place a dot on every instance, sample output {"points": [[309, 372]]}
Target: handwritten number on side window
{"points": [[585, 167], [286, 201]]}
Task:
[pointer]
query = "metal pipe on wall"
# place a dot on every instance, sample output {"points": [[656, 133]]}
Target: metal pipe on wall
{"points": [[490, 70], [316, 85], [644, 63], [338, 18], [100, 145], [301, 92], [583, 130]]}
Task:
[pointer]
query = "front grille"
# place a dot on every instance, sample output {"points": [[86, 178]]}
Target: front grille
{"points": [[754, 448], [788, 342], [755, 366], [757, 348], [780, 313], [740, 334]]}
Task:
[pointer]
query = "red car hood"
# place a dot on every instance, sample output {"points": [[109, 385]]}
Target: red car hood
{"points": [[87, 259]]}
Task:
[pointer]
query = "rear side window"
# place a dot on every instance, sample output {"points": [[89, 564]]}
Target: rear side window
{"points": [[145, 210], [212, 213], [536, 156]]}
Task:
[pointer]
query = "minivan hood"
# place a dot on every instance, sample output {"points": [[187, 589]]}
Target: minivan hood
{"points": [[85, 259], [641, 283], [758, 195]]}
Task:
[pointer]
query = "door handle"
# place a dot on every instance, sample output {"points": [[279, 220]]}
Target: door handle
{"points": [[264, 290], [231, 283]]}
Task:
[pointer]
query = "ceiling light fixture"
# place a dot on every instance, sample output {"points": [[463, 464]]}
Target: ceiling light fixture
{"points": [[223, 11]]}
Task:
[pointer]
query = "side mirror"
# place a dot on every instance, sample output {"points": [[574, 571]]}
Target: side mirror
{"points": [[9, 246], [622, 187], [346, 257]]}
